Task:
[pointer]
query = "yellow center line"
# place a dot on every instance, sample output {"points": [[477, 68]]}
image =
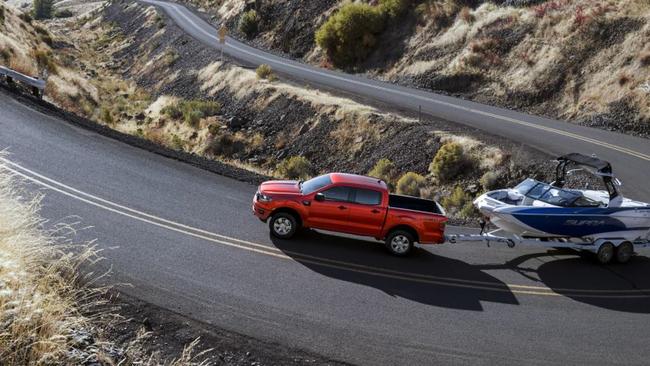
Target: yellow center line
{"points": [[300, 257]]}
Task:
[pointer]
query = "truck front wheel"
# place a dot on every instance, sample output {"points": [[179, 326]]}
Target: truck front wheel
{"points": [[399, 242], [283, 225]]}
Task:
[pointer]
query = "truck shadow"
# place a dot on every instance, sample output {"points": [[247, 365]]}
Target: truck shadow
{"points": [[423, 277], [620, 287]]}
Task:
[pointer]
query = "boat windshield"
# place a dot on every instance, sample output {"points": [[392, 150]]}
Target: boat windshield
{"points": [[555, 196]]}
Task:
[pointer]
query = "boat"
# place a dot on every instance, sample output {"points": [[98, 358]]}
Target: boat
{"points": [[549, 211]]}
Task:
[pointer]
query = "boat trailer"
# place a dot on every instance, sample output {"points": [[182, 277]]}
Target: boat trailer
{"points": [[606, 249]]}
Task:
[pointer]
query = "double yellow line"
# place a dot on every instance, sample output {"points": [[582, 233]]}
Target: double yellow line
{"points": [[302, 257]]}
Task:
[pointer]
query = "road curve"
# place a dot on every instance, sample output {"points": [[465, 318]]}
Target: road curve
{"points": [[187, 241], [629, 155]]}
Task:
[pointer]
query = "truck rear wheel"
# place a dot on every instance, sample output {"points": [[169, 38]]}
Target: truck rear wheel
{"points": [[283, 225], [399, 243]]}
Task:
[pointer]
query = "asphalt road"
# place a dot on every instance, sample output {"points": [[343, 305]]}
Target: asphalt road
{"points": [[629, 155], [186, 240]]}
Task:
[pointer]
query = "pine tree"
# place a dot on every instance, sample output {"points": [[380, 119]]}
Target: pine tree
{"points": [[42, 9]]}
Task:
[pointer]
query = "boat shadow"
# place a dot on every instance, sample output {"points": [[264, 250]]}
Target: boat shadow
{"points": [[620, 287], [423, 277]]}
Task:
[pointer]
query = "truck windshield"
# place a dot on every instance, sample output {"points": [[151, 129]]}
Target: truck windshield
{"points": [[315, 184]]}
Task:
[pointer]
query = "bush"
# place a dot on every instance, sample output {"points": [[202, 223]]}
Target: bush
{"points": [[44, 60], [63, 13], [384, 170], [394, 8], [459, 203], [42, 9], [449, 162], [177, 142], [410, 183], [265, 71], [350, 35], [248, 23], [490, 181], [106, 116], [226, 145], [2, 15], [192, 111], [296, 167]]}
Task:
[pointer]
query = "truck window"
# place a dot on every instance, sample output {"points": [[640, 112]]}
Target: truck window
{"points": [[367, 197], [337, 194]]}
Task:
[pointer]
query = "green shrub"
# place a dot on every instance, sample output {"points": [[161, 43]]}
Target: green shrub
{"points": [[459, 203], [410, 183], [350, 35], [42, 9], [192, 111], [63, 13], [296, 167], [45, 61], [264, 71], [384, 170], [106, 115], [449, 162], [227, 145], [490, 181], [394, 8], [248, 23], [177, 142]]}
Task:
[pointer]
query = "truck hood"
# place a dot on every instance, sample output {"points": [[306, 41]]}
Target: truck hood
{"points": [[280, 187]]}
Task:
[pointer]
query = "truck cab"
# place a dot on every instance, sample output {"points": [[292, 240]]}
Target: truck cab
{"points": [[351, 204]]}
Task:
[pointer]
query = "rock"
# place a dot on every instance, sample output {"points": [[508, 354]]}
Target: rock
{"points": [[235, 122], [358, 140], [140, 116]]}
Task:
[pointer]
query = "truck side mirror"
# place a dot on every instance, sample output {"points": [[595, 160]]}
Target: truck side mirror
{"points": [[319, 197]]}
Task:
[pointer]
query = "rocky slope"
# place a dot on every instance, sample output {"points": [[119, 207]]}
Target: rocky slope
{"points": [[580, 60]]}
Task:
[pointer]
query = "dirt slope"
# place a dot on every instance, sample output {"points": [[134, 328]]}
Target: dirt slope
{"points": [[581, 60]]}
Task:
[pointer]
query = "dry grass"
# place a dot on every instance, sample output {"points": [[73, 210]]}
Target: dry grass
{"points": [[50, 313]]}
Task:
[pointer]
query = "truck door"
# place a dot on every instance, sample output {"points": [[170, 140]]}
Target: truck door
{"points": [[333, 212], [367, 213]]}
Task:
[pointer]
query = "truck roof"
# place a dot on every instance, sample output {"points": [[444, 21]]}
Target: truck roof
{"points": [[357, 179]]}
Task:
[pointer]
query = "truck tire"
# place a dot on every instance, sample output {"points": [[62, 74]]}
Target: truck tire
{"points": [[399, 243], [283, 225]]}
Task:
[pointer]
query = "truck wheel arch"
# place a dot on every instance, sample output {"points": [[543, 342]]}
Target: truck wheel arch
{"points": [[291, 212], [406, 228]]}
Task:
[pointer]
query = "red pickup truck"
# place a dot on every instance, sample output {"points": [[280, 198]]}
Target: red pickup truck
{"points": [[352, 204]]}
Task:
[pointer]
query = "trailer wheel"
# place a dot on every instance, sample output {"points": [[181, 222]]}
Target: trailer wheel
{"points": [[624, 252], [283, 225], [605, 253], [399, 243]]}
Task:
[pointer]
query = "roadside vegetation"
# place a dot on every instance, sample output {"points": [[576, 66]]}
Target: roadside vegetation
{"points": [[217, 110], [50, 312]]}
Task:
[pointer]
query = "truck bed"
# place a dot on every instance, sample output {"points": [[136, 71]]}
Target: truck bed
{"points": [[414, 204]]}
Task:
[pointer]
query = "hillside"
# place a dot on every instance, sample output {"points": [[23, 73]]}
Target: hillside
{"points": [[580, 60]]}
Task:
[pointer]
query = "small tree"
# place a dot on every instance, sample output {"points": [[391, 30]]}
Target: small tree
{"points": [[410, 183], [384, 170], [449, 162], [248, 23], [42, 9], [296, 167]]}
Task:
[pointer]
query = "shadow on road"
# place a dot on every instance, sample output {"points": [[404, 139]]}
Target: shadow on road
{"points": [[436, 280], [440, 281], [602, 286]]}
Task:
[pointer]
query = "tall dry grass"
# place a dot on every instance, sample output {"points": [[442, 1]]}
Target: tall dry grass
{"points": [[50, 312]]}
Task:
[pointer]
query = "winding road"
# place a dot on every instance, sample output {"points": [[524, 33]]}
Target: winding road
{"points": [[186, 240], [629, 155]]}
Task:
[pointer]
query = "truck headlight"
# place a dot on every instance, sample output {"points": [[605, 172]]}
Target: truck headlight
{"points": [[263, 198]]}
